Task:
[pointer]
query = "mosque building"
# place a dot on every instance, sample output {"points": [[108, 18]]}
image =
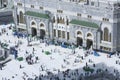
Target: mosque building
{"points": [[87, 23]]}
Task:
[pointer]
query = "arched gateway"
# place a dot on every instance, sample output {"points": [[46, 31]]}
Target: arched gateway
{"points": [[42, 33], [79, 41], [89, 41], [34, 32], [79, 38]]}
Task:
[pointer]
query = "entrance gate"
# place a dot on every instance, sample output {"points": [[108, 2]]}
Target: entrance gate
{"points": [[79, 41], [89, 43], [34, 32], [42, 33]]}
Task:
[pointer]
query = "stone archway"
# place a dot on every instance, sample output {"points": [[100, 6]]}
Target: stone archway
{"points": [[42, 33], [33, 23], [79, 38], [42, 25], [34, 31], [89, 41], [79, 41]]}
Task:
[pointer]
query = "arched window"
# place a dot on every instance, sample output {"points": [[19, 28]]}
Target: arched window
{"points": [[21, 17], [79, 33], [41, 25], [33, 24], [89, 35], [106, 33]]}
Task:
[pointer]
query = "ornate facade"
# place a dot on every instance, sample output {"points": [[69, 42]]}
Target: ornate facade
{"points": [[82, 22]]}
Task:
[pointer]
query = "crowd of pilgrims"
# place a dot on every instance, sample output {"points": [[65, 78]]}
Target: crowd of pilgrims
{"points": [[68, 74]]}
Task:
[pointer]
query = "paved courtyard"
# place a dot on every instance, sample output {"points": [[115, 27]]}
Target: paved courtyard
{"points": [[61, 63]]}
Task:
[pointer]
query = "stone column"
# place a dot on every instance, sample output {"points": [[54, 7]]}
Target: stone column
{"points": [[51, 30]]}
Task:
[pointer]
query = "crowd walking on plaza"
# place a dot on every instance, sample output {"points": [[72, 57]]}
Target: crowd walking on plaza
{"points": [[77, 74]]}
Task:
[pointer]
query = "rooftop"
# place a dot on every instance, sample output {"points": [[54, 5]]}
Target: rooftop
{"points": [[36, 14], [84, 23]]}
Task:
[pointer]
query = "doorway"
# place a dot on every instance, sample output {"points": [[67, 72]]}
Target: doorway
{"points": [[79, 41], [89, 43], [42, 33], [34, 32]]}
